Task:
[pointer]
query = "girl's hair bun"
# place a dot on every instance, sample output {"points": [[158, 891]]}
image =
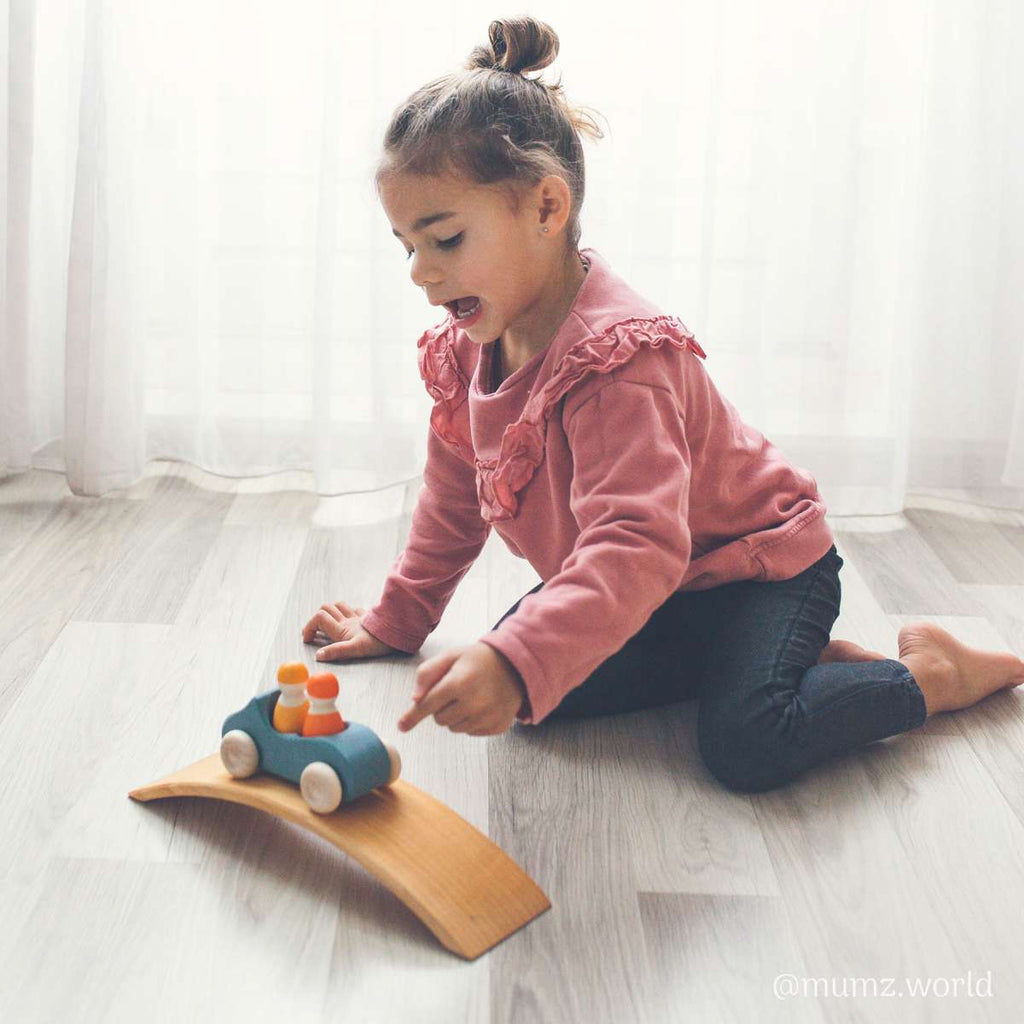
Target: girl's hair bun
{"points": [[516, 45]]}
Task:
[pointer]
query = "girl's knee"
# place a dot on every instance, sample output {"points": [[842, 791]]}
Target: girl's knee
{"points": [[744, 759]]}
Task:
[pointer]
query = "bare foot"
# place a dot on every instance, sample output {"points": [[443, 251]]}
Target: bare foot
{"points": [[951, 674], [847, 650]]}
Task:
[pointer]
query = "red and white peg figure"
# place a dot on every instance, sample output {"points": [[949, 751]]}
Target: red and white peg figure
{"points": [[323, 717]]}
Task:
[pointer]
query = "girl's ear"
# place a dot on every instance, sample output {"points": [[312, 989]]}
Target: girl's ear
{"points": [[554, 202]]}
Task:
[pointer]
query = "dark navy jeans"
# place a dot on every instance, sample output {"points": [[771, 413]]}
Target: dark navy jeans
{"points": [[748, 652]]}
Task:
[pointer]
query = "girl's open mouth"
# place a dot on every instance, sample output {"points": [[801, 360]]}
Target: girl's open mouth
{"points": [[465, 310]]}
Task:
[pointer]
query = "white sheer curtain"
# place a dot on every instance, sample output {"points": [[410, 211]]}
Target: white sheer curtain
{"points": [[194, 265]]}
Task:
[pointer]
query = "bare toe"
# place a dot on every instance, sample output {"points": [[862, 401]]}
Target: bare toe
{"points": [[847, 650]]}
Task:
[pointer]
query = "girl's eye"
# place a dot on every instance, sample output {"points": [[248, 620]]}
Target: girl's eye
{"points": [[444, 243]]}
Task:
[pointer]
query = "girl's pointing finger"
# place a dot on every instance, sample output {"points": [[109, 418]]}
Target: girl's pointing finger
{"points": [[431, 703], [432, 672]]}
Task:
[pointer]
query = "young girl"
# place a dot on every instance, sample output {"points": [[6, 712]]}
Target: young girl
{"points": [[681, 554]]}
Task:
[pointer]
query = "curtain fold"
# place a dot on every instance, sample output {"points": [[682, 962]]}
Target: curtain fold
{"points": [[195, 267], [16, 118], [104, 418]]}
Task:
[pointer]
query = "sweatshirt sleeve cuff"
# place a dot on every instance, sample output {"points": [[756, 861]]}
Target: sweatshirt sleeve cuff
{"points": [[541, 697], [397, 638]]}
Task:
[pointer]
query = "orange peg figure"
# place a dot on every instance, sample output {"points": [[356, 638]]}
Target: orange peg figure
{"points": [[292, 707], [323, 718]]}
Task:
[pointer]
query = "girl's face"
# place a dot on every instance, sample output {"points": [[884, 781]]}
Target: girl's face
{"points": [[464, 240]]}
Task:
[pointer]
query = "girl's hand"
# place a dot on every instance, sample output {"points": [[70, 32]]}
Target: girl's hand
{"points": [[470, 689], [341, 623]]}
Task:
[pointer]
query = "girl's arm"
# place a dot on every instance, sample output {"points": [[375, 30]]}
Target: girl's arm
{"points": [[446, 536], [630, 498]]}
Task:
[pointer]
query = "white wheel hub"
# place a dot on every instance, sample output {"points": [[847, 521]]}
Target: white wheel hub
{"points": [[320, 787], [239, 754], [395, 760]]}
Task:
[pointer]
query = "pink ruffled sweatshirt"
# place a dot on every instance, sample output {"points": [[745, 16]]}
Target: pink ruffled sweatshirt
{"points": [[611, 462]]}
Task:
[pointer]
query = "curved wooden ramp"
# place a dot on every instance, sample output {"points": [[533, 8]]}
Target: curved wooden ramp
{"points": [[465, 889]]}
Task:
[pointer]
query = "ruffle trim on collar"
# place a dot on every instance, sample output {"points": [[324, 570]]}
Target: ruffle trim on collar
{"points": [[448, 386], [522, 444]]}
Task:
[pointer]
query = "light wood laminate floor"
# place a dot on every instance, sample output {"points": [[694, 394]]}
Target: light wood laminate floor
{"points": [[131, 625]]}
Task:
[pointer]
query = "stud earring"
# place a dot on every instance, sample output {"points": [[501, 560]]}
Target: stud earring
{"points": [[544, 229]]}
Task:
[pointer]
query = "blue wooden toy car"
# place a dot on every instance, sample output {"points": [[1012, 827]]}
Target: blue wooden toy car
{"points": [[329, 770]]}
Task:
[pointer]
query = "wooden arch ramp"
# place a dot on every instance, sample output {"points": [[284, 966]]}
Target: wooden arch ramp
{"points": [[462, 886]]}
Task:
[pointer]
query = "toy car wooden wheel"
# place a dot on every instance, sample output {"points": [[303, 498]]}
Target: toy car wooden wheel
{"points": [[395, 760], [239, 753], [321, 788]]}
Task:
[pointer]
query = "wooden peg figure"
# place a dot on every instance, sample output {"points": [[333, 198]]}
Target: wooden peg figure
{"points": [[292, 706], [323, 718]]}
